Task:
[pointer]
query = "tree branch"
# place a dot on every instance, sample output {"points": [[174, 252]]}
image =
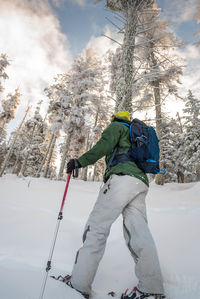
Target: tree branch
{"points": [[112, 39]]}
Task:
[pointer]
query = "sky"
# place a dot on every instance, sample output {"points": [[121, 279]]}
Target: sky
{"points": [[42, 37], [81, 19]]}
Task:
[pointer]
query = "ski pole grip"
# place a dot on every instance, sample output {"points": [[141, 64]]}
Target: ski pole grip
{"points": [[75, 171]]}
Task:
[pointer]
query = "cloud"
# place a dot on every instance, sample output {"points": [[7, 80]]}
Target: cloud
{"points": [[197, 14], [191, 53], [180, 11], [32, 39], [57, 3], [81, 3], [102, 44], [191, 73]]}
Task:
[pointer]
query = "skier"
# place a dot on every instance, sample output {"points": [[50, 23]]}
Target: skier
{"points": [[124, 192]]}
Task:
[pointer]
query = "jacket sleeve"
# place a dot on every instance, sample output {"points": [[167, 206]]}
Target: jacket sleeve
{"points": [[104, 146]]}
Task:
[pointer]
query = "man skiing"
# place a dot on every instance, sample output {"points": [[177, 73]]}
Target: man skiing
{"points": [[124, 193]]}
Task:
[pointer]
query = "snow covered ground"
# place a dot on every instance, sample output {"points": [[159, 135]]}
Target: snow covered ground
{"points": [[28, 216]]}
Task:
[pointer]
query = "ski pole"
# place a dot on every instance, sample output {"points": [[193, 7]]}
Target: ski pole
{"points": [[60, 217]]}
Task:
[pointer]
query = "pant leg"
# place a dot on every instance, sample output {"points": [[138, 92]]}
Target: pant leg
{"points": [[112, 199], [141, 245]]}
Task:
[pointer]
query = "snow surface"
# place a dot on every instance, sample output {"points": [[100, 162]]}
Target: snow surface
{"points": [[28, 217]]}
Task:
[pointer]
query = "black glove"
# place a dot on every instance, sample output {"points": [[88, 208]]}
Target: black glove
{"points": [[72, 164]]}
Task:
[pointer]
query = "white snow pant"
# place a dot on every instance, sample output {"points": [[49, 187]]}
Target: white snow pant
{"points": [[121, 194]]}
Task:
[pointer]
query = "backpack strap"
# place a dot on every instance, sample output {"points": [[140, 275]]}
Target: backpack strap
{"points": [[161, 171], [127, 125], [112, 158]]}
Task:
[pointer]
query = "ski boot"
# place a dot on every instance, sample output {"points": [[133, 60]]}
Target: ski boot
{"points": [[136, 294]]}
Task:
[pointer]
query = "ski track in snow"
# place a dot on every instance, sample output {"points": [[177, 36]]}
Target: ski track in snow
{"points": [[28, 218]]}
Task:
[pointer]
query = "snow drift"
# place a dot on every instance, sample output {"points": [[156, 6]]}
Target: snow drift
{"points": [[28, 215]]}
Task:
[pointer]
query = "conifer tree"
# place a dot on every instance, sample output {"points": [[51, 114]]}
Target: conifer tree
{"points": [[17, 155], [9, 106], [86, 85], [191, 148], [33, 137], [3, 64], [3, 115], [59, 107], [3, 150], [12, 145], [170, 144], [102, 118], [55, 132], [162, 70]]}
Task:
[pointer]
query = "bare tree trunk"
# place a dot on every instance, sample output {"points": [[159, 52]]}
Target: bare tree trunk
{"points": [[157, 100], [84, 173], [159, 177], [3, 126], [124, 88], [62, 164], [22, 171], [5, 163], [45, 157], [50, 155], [15, 167], [9, 141], [180, 123], [88, 147], [198, 172], [94, 173]]}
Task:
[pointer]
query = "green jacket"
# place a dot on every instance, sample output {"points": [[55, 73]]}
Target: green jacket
{"points": [[116, 134]]}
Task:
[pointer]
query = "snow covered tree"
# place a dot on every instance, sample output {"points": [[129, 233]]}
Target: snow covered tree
{"points": [[170, 144], [59, 106], [17, 156], [9, 106], [130, 11], [102, 119], [3, 64], [191, 148], [153, 59], [86, 85], [33, 137], [156, 68], [55, 131], [12, 145], [3, 150], [192, 110], [162, 70]]}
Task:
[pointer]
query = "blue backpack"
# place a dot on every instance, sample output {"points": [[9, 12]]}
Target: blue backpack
{"points": [[145, 150]]}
